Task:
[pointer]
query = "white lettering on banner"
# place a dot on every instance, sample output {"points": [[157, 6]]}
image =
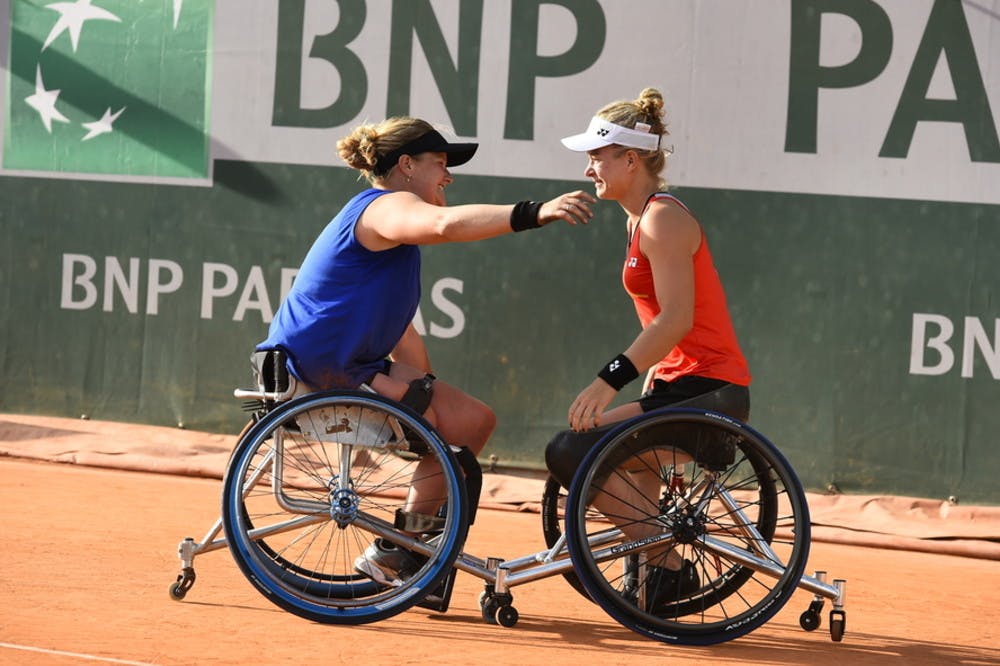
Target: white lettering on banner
{"points": [[129, 288], [254, 297], [974, 335], [448, 308], [115, 276], [209, 292], [918, 341], [84, 280], [155, 287], [220, 283]]}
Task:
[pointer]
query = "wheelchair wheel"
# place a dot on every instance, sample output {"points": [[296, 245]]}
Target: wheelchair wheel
{"points": [[723, 584], [313, 483], [698, 486], [553, 508]]}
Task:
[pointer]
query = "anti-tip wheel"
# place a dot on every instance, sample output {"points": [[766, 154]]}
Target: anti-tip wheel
{"points": [[180, 587], [507, 616], [177, 592], [809, 620], [488, 606], [838, 624]]}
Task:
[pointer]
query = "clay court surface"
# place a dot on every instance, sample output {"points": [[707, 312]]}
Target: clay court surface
{"points": [[89, 553]]}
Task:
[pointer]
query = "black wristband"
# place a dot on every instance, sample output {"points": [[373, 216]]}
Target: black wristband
{"points": [[619, 372], [525, 215]]}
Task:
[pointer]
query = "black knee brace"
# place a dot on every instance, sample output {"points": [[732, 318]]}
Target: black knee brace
{"points": [[418, 395], [565, 452]]}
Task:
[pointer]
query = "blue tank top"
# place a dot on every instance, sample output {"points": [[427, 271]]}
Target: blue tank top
{"points": [[348, 306]]}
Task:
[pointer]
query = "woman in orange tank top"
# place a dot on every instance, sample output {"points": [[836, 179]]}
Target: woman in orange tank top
{"points": [[687, 348]]}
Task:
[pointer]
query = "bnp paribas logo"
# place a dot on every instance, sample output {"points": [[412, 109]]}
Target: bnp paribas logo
{"points": [[109, 88]]}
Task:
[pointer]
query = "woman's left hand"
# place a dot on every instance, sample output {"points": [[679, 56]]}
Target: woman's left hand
{"points": [[586, 411], [573, 207]]}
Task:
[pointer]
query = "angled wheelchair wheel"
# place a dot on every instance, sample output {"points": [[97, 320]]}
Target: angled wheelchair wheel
{"points": [[693, 486], [553, 509], [316, 481]]}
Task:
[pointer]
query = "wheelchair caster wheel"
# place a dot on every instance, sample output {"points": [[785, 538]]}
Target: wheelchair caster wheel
{"points": [[810, 618], [490, 613], [838, 623], [507, 616], [489, 605], [185, 580], [497, 608]]}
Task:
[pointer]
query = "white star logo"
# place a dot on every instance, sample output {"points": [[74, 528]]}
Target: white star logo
{"points": [[177, 11], [72, 16], [44, 101], [102, 126]]}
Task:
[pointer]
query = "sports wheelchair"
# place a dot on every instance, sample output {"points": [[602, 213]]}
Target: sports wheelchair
{"points": [[314, 479]]}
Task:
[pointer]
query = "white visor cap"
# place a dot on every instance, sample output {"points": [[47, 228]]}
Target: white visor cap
{"points": [[601, 133]]}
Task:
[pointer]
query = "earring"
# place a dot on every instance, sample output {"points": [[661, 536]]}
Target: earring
{"points": [[409, 178]]}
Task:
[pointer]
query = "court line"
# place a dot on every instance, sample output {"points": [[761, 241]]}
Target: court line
{"points": [[109, 660]]}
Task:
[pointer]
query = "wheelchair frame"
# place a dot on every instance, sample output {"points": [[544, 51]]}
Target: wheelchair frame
{"points": [[736, 548]]}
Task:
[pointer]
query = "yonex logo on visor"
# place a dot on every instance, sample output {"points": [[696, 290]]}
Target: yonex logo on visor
{"points": [[602, 133]]}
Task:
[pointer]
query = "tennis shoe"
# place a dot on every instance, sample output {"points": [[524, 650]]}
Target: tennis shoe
{"points": [[388, 564]]}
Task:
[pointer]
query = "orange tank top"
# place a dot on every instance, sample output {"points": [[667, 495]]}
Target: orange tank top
{"points": [[710, 348]]}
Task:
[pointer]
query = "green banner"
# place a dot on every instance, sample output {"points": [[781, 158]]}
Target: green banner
{"points": [[874, 359], [121, 88]]}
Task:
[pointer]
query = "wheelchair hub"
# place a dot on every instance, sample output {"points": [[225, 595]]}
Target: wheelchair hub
{"points": [[343, 506], [688, 526]]}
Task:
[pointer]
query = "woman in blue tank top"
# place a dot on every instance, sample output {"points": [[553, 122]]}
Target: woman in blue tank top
{"points": [[347, 320]]}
